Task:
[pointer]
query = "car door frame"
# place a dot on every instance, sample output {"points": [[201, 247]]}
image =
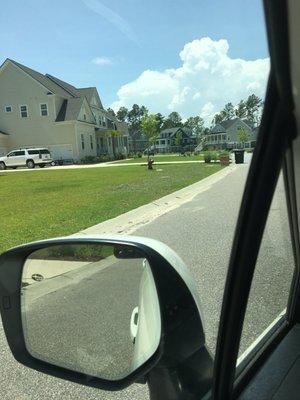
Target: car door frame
{"points": [[274, 150]]}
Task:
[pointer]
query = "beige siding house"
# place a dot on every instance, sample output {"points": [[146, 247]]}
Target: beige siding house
{"points": [[41, 110]]}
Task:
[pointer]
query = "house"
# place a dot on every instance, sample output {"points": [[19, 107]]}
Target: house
{"points": [[225, 135], [167, 140], [137, 142], [42, 110]]}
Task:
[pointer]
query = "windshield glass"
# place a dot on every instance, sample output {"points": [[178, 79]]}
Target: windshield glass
{"points": [[139, 104]]}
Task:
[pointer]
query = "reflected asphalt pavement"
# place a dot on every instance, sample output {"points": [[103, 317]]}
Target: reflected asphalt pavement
{"points": [[201, 232]]}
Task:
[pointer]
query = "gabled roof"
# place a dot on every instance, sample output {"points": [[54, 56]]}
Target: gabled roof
{"points": [[42, 79], [172, 131], [70, 109], [87, 92], [66, 86], [224, 125]]}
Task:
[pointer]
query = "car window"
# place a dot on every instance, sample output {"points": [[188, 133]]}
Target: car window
{"points": [[19, 153], [33, 151], [153, 99], [272, 278]]}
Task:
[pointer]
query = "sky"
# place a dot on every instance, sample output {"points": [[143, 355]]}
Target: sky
{"points": [[190, 56]]}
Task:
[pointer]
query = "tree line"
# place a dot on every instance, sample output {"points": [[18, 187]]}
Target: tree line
{"points": [[249, 109]]}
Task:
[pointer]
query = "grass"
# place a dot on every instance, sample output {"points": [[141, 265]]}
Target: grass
{"points": [[163, 158], [43, 204]]}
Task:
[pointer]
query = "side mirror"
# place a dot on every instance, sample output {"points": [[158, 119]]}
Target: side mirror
{"points": [[103, 311]]}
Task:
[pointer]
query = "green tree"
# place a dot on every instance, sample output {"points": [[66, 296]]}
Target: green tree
{"points": [[227, 112], [134, 117], [178, 140], [161, 120], [149, 126], [241, 110], [122, 114], [253, 107], [196, 124], [173, 120], [243, 136], [111, 111]]}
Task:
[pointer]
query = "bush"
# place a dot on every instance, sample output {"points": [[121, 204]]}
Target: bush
{"points": [[207, 156], [224, 153], [214, 155], [89, 160]]}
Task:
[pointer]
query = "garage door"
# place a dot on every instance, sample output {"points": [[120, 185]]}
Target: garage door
{"points": [[61, 152]]}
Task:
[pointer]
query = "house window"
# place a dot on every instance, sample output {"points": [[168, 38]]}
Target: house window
{"points": [[84, 117], [44, 110], [91, 142], [99, 121], [162, 142], [23, 111], [103, 121], [82, 141], [8, 109]]}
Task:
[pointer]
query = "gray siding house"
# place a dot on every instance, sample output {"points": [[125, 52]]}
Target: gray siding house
{"points": [[225, 135], [166, 141], [44, 111]]}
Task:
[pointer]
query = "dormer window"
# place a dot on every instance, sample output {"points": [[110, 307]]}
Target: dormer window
{"points": [[8, 109]]}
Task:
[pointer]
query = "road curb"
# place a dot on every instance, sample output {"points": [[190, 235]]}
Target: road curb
{"points": [[128, 222]]}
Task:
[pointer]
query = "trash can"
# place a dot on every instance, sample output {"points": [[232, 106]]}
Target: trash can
{"points": [[239, 156]]}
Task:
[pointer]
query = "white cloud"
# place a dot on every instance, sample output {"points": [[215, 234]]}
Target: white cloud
{"points": [[102, 61], [207, 79]]}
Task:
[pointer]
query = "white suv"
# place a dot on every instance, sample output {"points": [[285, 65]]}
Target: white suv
{"points": [[26, 157]]}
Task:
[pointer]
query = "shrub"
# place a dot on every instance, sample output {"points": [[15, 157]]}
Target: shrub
{"points": [[214, 155], [88, 160], [207, 156], [224, 153]]}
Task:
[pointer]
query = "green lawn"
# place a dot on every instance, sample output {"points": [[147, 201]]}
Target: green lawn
{"points": [[163, 158], [43, 204]]}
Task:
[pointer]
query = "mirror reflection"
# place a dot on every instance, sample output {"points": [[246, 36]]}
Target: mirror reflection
{"points": [[91, 308]]}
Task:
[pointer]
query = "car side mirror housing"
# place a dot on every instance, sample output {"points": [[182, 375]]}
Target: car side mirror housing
{"points": [[103, 311]]}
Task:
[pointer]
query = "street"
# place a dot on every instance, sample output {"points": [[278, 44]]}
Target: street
{"points": [[201, 232]]}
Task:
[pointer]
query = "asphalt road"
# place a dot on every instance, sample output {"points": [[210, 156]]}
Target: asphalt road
{"points": [[201, 232]]}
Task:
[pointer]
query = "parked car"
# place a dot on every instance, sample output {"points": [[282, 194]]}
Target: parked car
{"points": [[26, 157]]}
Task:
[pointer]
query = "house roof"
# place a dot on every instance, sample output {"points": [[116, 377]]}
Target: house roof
{"points": [[224, 125], [87, 92], [173, 131], [42, 79], [66, 86], [73, 96], [70, 109]]}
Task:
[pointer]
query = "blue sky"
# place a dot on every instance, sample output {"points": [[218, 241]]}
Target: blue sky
{"points": [[127, 37]]}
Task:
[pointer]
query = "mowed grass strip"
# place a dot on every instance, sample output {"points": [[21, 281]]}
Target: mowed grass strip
{"points": [[44, 204], [163, 158]]}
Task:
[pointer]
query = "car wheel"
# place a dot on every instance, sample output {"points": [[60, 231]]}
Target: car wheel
{"points": [[30, 164], [53, 163], [14, 167], [41, 165], [2, 165]]}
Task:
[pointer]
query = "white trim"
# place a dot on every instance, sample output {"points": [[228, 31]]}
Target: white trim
{"points": [[260, 337], [23, 105], [47, 108], [8, 112]]}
